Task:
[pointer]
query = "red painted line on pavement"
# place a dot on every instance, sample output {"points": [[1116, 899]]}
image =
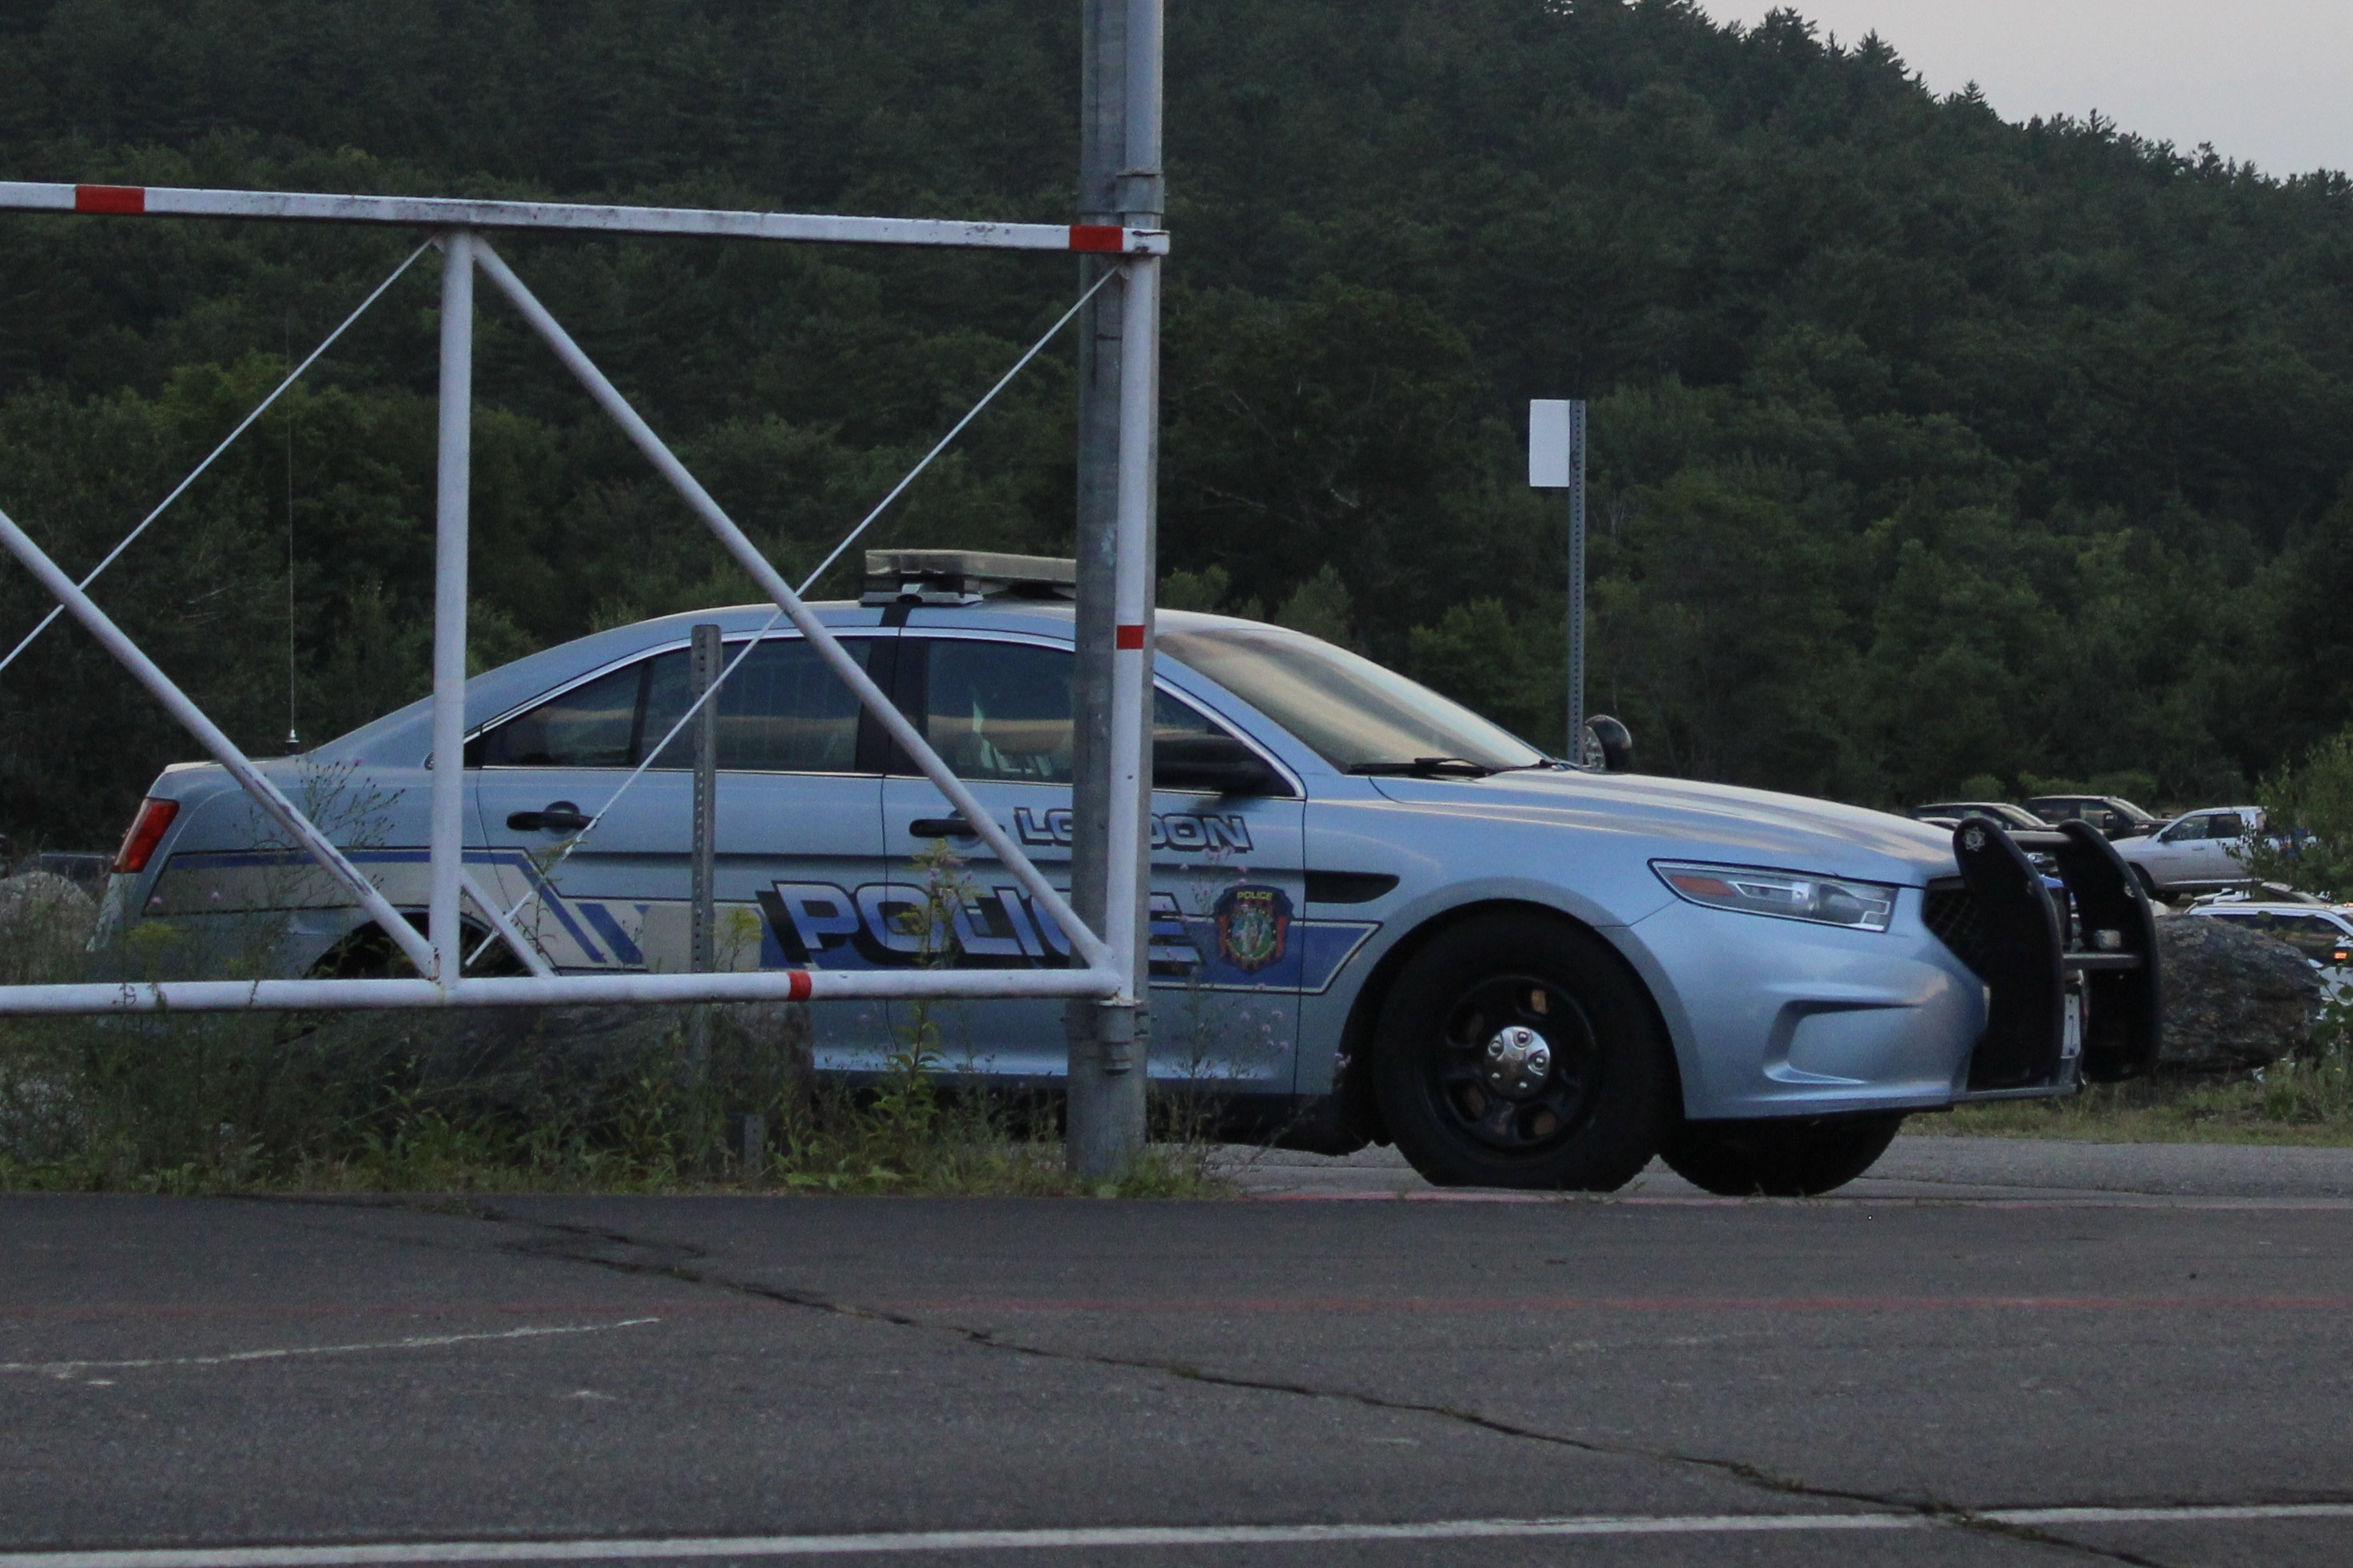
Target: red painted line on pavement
{"points": [[1834, 1201], [1147, 1306], [134, 1312]]}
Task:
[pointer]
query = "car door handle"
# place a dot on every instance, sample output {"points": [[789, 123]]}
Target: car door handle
{"points": [[942, 828], [560, 816]]}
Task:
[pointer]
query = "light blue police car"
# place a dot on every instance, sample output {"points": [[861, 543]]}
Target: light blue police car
{"points": [[1375, 915]]}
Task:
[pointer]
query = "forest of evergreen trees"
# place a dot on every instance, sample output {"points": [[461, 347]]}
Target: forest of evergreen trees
{"points": [[1928, 448]]}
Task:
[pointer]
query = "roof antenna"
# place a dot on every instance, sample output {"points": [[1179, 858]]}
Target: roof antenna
{"points": [[293, 736]]}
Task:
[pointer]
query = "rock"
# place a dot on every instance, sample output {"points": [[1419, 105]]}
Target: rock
{"points": [[2233, 998], [45, 897], [45, 925]]}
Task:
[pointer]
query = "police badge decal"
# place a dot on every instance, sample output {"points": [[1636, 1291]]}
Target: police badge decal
{"points": [[1254, 927]]}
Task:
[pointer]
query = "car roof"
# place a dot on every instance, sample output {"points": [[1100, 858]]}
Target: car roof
{"points": [[402, 736]]}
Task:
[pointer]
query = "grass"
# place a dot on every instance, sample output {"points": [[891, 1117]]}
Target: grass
{"points": [[365, 1104], [2304, 1102], [559, 1100]]}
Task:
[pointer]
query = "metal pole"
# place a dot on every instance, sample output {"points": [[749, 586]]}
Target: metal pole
{"points": [[1119, 175], [450, 546], [1141, 190], [550, 990], [703, 663], [1128, 883], [1575, 748], [1102, 147]]}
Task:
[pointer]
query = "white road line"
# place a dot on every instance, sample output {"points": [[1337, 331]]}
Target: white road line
{"points": [[417, 1342], [577, 1551]]}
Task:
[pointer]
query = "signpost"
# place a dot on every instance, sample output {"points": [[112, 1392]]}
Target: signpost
{"points": [[1556, 461]]}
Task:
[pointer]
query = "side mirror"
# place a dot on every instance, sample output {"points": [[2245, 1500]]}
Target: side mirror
{"points": [[1608, 746], [1218, 763]]}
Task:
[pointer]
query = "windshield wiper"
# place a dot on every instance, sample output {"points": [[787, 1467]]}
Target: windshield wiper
{"points": [[1429, 768]]}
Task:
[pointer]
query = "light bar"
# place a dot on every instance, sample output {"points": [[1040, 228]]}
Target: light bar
{"points": [[439, 212]]}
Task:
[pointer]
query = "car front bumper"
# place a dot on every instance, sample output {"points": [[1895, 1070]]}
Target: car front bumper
{"points": [[2034, 969]]}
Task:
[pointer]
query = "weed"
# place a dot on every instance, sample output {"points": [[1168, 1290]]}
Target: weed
{"points": [[2308, 1101], [553, 1100]]}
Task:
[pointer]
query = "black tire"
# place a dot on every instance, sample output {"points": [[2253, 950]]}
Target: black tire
{"points": [[1786, 1157], [366, 953], [1589, 1120]]}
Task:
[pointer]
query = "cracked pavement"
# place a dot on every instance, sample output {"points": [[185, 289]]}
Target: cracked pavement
{"points": [[233, 1372]]}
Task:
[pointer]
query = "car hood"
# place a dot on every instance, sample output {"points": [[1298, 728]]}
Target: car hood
{"points": [[1684, 817]]}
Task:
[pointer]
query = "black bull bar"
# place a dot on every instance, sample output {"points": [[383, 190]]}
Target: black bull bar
{"points": [[2055, 925]]}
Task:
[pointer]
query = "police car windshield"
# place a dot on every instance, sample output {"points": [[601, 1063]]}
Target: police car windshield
{"points": [[1354, 715]]}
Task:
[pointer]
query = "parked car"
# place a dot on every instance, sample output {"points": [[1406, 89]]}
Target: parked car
{"points": [[1375, 915], [2113, 815], [2197, 852], [1952, 811], [2322, 933], [2260, 893]]}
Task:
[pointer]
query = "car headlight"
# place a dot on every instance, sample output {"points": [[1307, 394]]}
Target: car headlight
{"points": [[1785, 895]]}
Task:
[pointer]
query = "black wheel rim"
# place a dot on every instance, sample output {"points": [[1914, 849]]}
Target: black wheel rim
{"points": [[1490, 1082]]}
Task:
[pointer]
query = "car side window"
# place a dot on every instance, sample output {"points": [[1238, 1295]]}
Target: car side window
{"points": [[2188, 827], [2225, 824], [1002, 710], [594, 725], [782, 709], [2315, 937]]}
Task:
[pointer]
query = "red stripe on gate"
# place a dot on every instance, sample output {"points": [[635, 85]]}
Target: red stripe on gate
{"points": [[800, 985], [1130, 636], [123, 201], [1098, 236]]}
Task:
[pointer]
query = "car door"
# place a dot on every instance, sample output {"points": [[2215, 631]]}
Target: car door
{"points": [[797, 820], [2214, 854], [1227, 875], [2170, 855]]}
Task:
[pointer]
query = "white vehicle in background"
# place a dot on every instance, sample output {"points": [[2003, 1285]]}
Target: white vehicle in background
{"points": [[2200, 852], [2322, 933]]}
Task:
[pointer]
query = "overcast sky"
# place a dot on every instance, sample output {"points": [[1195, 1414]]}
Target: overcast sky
{"points": [[2266, 81]]}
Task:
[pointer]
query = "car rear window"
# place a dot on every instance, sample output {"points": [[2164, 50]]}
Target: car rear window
{"points": [[781, 710]]}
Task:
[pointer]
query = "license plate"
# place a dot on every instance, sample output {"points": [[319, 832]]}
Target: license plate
{"points": [[2071, 1042]]}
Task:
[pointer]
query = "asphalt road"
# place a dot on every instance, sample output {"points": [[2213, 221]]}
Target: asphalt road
{"points": [[1999, 1354]]}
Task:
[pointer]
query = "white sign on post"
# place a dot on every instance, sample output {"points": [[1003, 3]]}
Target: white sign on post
{"points": [[1548, 443]]}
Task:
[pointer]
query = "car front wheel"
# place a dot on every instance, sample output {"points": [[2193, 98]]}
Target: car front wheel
{"points": [[1787, 1157], [1519, 1052]]}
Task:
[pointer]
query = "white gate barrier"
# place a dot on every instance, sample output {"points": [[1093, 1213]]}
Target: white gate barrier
{"points": [[1105, 963]]}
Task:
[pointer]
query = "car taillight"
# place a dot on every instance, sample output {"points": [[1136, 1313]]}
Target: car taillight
{"points": [[146, 832]]}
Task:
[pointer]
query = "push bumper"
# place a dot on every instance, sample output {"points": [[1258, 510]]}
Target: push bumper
{"points": [[2056, 928]]}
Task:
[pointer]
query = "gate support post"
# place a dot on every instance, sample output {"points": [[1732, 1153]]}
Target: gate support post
{"points": [[448, 837], [1119, 183]]}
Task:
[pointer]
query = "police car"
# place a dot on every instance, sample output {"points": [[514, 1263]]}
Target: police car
{"points": [[1374, 914]]}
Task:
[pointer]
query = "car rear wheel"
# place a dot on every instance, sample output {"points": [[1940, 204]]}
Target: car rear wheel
{"points": [[1786, 1157], [367, 954], [1519, 1052]]}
